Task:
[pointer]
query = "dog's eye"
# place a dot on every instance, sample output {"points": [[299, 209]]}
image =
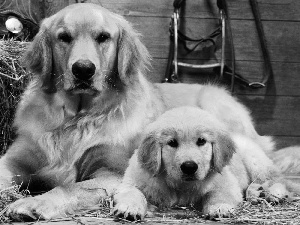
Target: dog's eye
{"points": [[200, 142], [65, 37], [102, 37], [173, 143]]}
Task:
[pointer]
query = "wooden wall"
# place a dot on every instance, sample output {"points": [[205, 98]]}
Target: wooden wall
{"points": [[276, 107]]}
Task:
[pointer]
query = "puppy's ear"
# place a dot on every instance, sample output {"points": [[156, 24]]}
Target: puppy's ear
{"points": [[223, 150], [133, 57], [38, 58], [149, 154]]}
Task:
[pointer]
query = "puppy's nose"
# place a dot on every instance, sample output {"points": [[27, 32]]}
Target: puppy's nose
{"points": [[189, 167], [83, 69]]}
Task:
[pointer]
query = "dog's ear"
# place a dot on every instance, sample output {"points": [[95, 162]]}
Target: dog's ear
{"points": [[149, 154], [223, 150], [38, 58], [133, 56]]}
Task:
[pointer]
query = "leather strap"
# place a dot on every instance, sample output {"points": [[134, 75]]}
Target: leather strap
{"points": [[263, 43]]}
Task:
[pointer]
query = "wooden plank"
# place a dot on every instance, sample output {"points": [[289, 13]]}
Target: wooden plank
{"points": [[285, 82], [160, 8], [148, 17], [288, 10], [285, 141], [282, 44], [274, 115]]}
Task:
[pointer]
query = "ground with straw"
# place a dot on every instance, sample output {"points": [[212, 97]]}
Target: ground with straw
{"points": [[252, 211], [13, 79]]}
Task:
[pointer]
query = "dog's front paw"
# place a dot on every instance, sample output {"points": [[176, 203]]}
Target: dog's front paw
{"points": [[130, 207], [219, 210], [35, 208]]}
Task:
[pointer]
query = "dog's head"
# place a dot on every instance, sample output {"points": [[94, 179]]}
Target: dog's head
{"points": [[86, 49], [185, 144]]}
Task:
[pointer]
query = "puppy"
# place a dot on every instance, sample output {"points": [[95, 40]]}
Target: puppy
{"points": [[187, 156]]}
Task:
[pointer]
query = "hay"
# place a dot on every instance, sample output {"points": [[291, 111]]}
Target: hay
{"points": [[285, 212], [8, 196], [13, 79]]}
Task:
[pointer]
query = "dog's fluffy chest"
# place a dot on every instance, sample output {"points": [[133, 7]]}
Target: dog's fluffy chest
{"points": [[116, 138]]}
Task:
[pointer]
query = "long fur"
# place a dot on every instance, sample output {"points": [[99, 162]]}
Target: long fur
{"points": [[287, 159], [227, 164], [62, 128]]}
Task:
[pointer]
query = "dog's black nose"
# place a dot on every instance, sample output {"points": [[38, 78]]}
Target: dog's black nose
{"points": [[83, 69], [189, 167]]}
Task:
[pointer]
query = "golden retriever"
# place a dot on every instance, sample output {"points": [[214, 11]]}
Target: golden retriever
{"points": [[81, 116], [287, 160], [187, 156]]}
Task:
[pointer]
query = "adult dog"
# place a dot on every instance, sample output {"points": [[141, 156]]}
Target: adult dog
{"points": [[81, 116], [187, 156]]}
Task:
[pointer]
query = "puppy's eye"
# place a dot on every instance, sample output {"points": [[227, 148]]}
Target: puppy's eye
{"points": [[102, 37], [173, 143], [200, 142], [65, 37]]}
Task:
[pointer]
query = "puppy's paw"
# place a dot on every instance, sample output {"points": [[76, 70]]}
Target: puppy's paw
{"points": [[219, 210], [269, 191], [35, 208], [279, 190], [254, 191], [133, 208]]}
